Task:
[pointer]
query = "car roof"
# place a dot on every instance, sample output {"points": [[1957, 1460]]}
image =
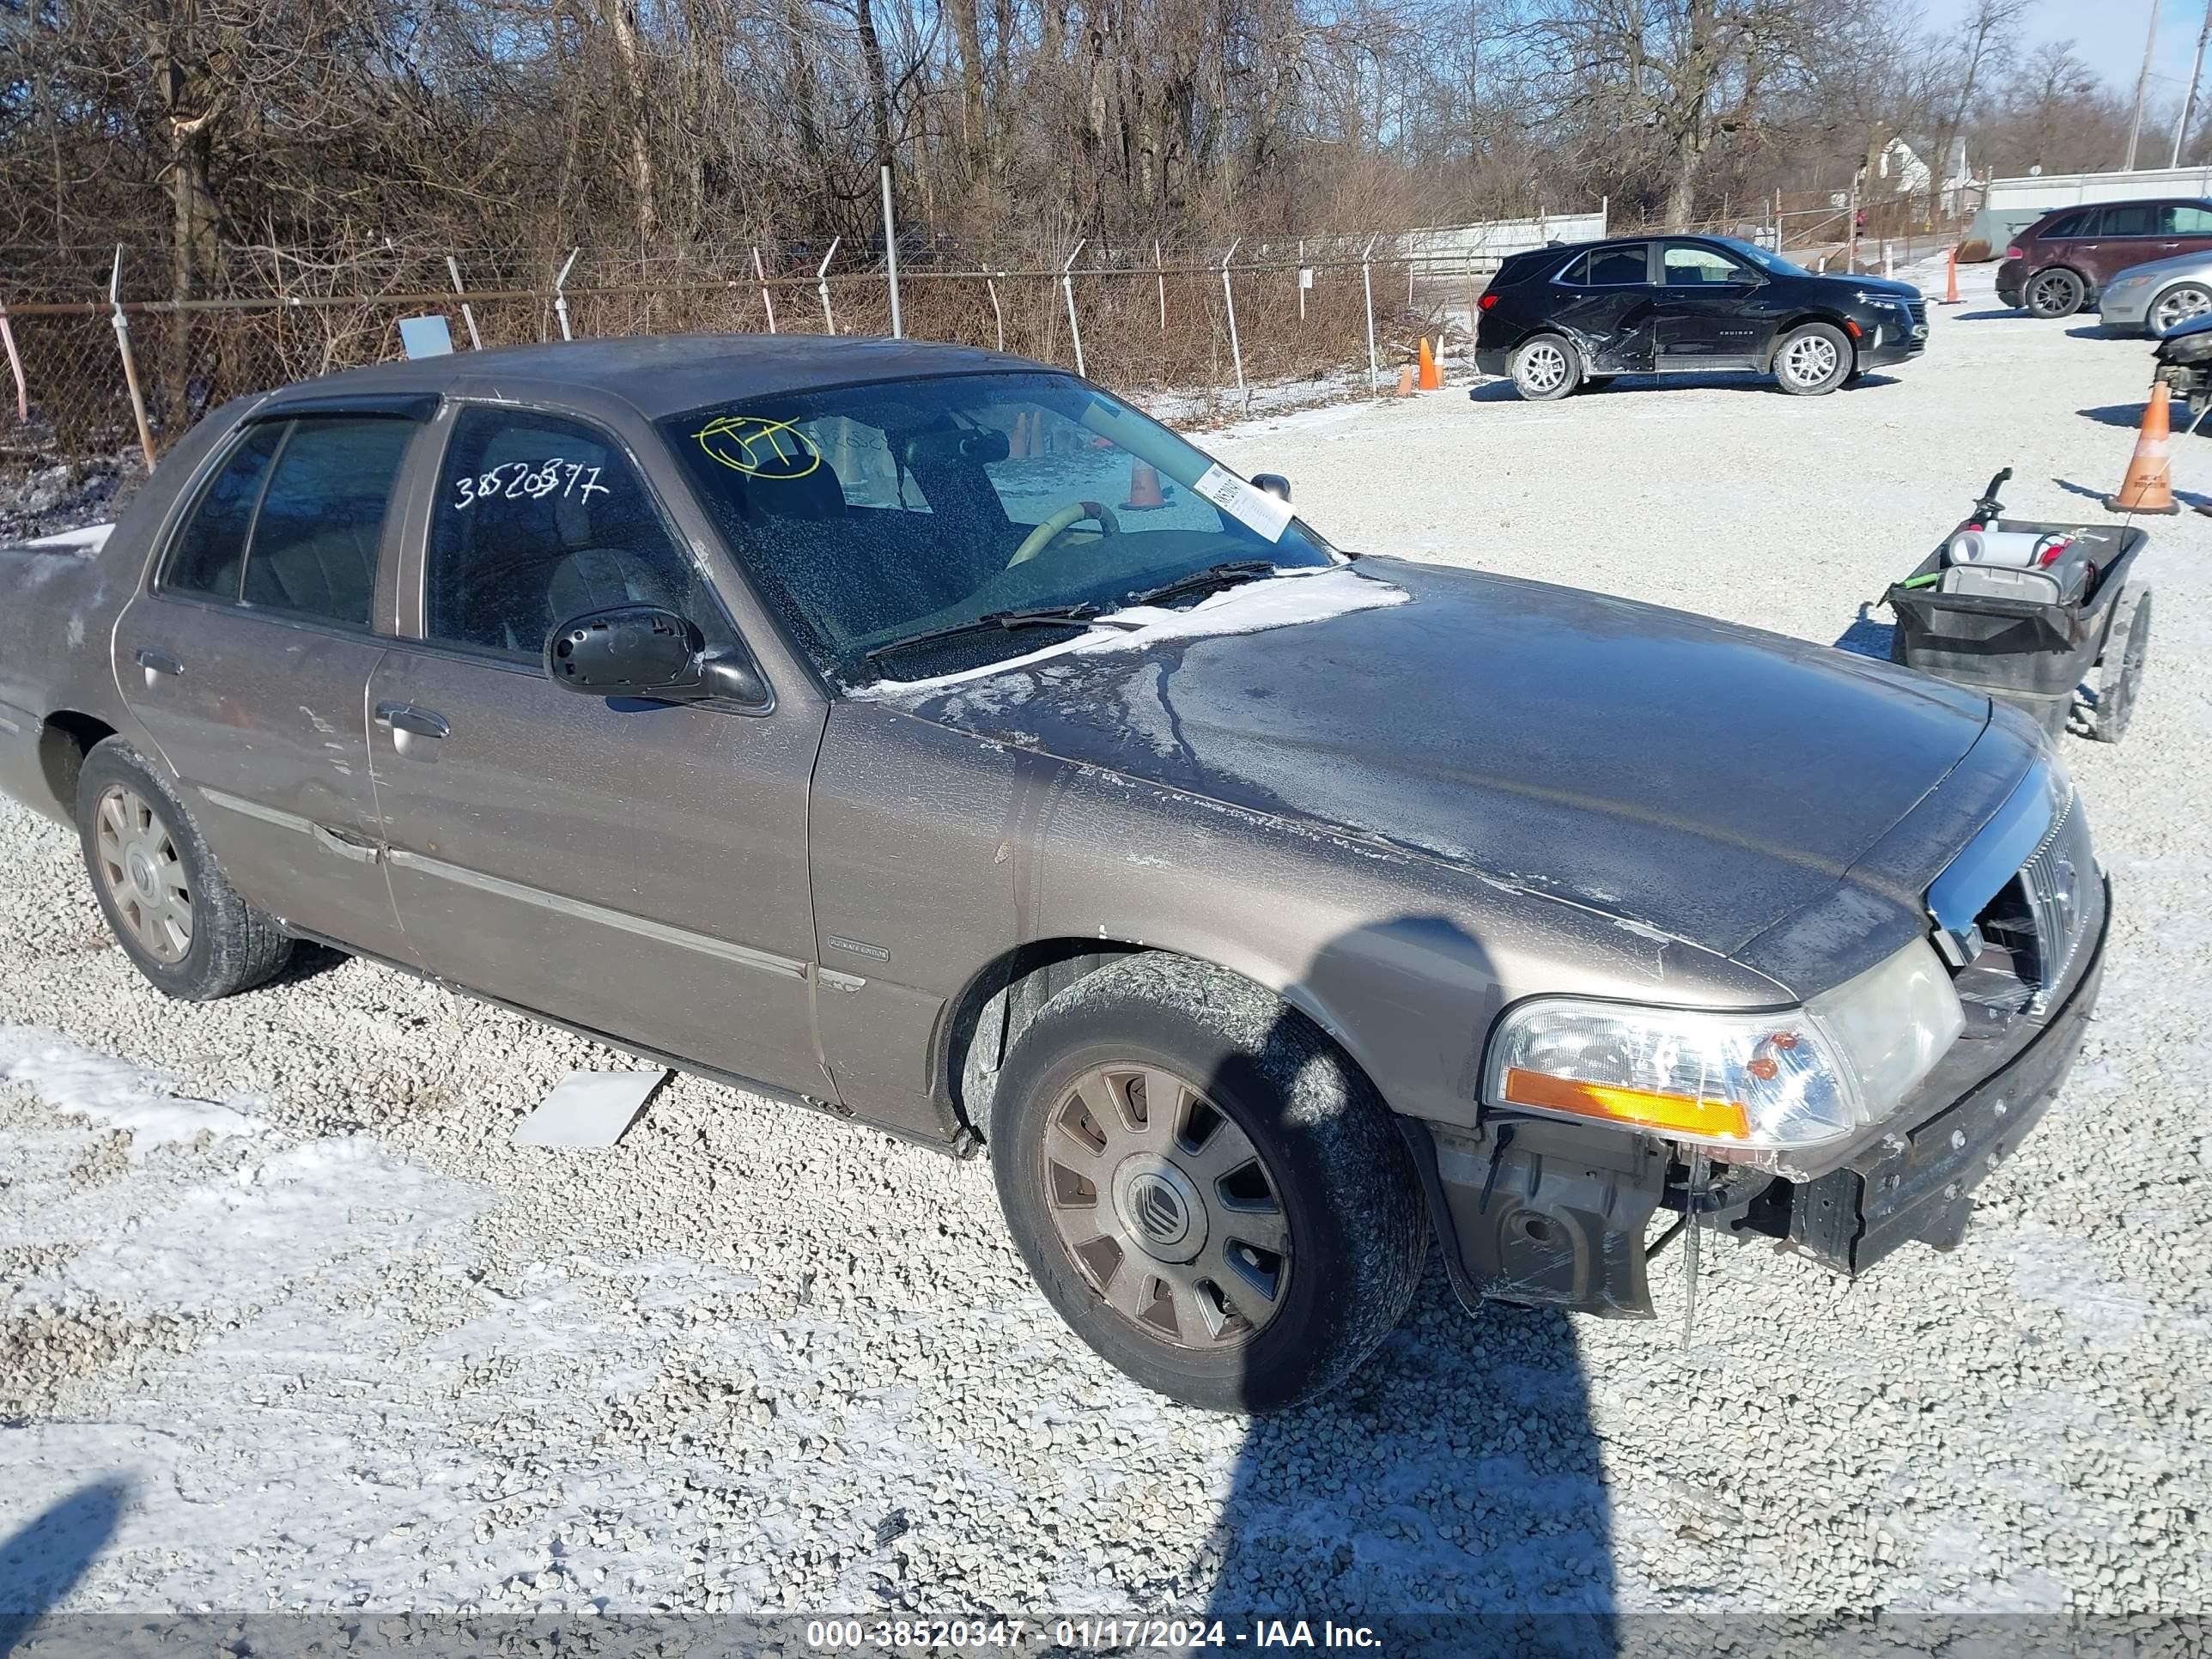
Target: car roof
{"points": [[666, 374], [2132, 201]]}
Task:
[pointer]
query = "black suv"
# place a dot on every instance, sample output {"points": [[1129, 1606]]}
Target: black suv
{"points": [[1558, 317]]}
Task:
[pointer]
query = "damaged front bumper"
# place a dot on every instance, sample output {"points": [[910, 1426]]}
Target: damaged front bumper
{"points": [[1558, 1213]]}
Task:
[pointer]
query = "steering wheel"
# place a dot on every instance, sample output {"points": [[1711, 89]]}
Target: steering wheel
{"points": [[1059, 523]]}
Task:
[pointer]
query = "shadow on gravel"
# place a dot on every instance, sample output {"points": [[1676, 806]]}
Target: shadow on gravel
{"points": [[1451, 1490], [42, 1563], [1987, 316], [2127, 415], [308, 961], [1868, 636], [2097, 332]]}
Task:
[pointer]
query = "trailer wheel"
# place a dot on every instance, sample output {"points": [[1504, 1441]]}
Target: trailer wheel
{"points": [[2119, 665]]}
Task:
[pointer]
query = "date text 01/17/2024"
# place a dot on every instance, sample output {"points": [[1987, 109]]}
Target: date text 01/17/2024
{"points": [[1116, 1635]]}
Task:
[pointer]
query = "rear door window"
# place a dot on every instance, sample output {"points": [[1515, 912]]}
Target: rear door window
{"points": [[2134, 219], [294, 518], [1620, 267], [208, 555], [321, 521]]}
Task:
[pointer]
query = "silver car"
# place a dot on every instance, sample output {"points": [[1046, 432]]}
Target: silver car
{"points": [[2153, 299]]}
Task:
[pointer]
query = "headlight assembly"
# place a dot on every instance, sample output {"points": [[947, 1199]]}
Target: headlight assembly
{"points": [[1773, 1081]]}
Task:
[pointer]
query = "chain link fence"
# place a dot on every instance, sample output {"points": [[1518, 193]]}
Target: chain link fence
{"points": [[98, 368]]}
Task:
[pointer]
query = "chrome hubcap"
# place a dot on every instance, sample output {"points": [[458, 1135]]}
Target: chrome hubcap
{"points": [[1542, 368], [1811, 359], [1165, 1207], [2180, 305], [2053, 293], [144, 878]]}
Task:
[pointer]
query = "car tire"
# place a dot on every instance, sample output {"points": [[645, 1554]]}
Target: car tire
{"points": [[2179, 304], [1229, 1282], [1545, 368], [166, 900], [2054, 294], [1812, 360]]}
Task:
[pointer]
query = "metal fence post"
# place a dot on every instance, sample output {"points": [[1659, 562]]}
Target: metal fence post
{"points": [[1067, 288], [1301, 279], [1229, 293], [890, 254], [997, 316], [1367, 283], [16, 367], [560, 296], [1160, 274], [821, 286], [768, 301], [469, 316], [130, 367]]}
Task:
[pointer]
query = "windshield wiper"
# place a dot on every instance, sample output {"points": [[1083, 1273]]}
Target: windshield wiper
{"points": [[1046, 616], [1197, 581]]}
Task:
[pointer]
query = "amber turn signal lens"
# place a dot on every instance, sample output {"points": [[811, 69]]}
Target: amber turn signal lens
{"points": [[1646, 1107]]}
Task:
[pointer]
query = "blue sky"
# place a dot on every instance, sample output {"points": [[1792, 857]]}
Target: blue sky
{"points": [[2108, 34]]}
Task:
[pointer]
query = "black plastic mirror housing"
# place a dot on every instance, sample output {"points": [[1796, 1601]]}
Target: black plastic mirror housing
{"points": [[629, 651]]}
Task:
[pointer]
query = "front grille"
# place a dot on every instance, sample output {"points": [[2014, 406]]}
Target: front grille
{"points": [[2054, 882], [1919, 310]]}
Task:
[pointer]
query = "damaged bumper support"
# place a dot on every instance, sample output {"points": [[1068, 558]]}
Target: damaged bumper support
{"points": [[1557, 1214]]}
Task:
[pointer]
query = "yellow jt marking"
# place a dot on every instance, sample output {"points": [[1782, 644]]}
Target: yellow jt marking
{"points": [[760, 448]]}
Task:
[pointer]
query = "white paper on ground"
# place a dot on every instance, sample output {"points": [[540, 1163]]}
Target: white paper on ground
{"points": [[1268, 515], [589, 1108]]}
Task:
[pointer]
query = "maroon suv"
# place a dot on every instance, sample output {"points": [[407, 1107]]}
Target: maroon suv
{"points": [[2063, 261]]}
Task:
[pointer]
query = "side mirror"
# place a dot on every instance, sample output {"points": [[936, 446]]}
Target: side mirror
{"points": [[646, 650], [1274, 484]]}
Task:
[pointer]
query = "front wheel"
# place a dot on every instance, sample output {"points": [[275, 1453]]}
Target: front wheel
{"points": [[1211, 1194], [166, 902], [2055, 294], [2120, 665], [1813, 361], [2181, 303], [1544, 369]]}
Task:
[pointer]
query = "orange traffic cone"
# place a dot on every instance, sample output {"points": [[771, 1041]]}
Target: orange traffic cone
{"points": [[2149, 487], [1951, 283], [1405, 381], [1144, 488], [1432, 378]]}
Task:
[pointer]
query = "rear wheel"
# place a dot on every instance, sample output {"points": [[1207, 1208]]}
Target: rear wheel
{"points": [[168, 903], [1544, 369], [2119, 667], [1812, 360], [2178, 305], [2055, 293], [1209, 1192]]}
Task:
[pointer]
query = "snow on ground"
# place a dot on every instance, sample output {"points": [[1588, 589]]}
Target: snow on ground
{"points": [[334, 1341]]}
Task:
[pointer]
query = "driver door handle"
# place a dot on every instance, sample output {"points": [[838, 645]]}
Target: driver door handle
{"points": [[406, 717], [157, 662]]}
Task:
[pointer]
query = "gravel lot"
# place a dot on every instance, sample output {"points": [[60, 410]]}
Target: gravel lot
{"points": [[278, 1278]]}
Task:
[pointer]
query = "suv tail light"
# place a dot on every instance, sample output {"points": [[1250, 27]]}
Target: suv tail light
{"points": [[2014, 252], [1487, 301]]}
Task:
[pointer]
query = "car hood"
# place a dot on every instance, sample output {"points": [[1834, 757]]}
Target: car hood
{"points": [[1671, 770], [1848, 287]]}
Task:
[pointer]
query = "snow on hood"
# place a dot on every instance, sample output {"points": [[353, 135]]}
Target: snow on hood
{"points": [[1280, 601]]}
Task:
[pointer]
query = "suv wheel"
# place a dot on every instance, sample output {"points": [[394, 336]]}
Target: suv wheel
{"points": [[1210, 1192], [2055, 293], [2177, 306], [1812, 360], [165, 900], [1544, 369]]}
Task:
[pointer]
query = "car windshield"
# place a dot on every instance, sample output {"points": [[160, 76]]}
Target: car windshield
{"points": [[911, 528], [1772, 263]]}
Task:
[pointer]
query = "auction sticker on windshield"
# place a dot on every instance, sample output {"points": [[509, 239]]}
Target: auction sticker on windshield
{"points": [[1268, 515]]}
